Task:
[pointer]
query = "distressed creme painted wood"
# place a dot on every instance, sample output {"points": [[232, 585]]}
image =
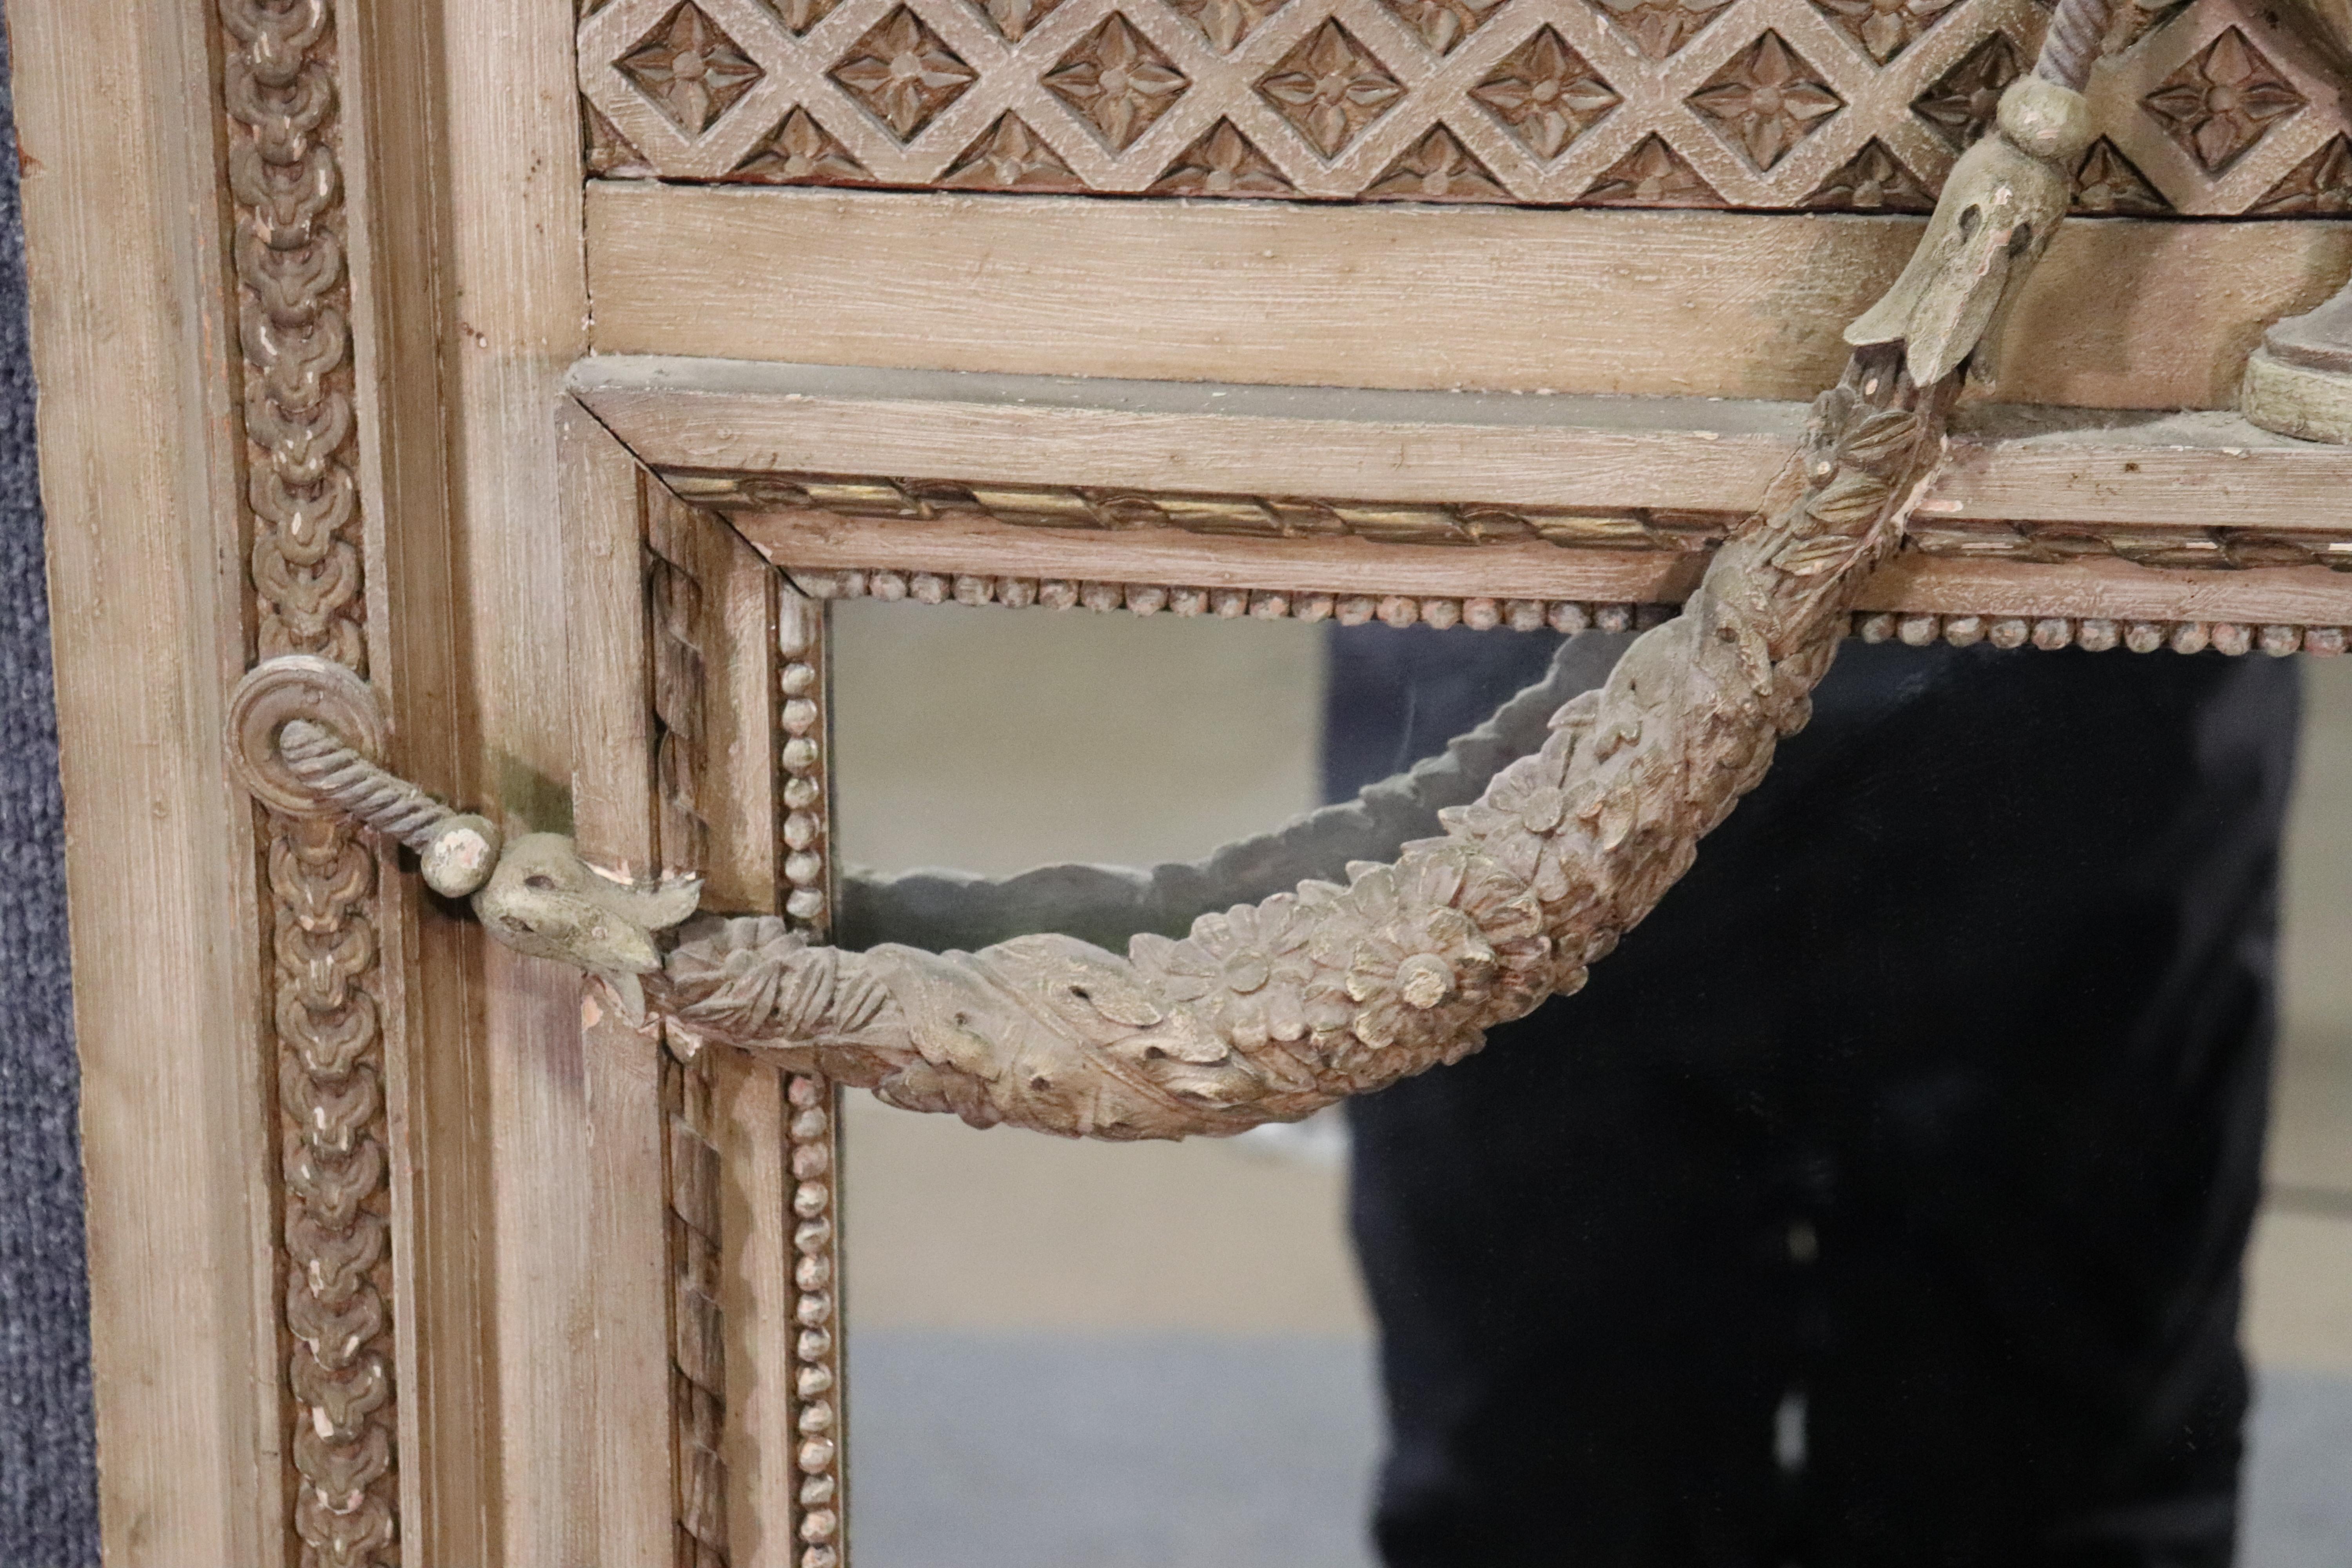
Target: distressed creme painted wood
{"points": [[2191, 469], [2133, 314], [138, 478]]}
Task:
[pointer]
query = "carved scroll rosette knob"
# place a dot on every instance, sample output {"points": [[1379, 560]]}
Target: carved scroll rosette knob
{"points": [[304, 737]]}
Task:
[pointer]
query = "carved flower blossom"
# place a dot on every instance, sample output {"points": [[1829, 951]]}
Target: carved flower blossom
{"points": [[1330, 87], [904, 73], [1520, 816], [1246, 969], [1409, 954]]}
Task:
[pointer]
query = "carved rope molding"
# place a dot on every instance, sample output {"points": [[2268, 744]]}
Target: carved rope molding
{"points": [[293, 300], [879, 499]]}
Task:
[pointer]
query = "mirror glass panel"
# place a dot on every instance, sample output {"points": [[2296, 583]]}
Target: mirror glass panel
{"points": [[1164, 1355]]}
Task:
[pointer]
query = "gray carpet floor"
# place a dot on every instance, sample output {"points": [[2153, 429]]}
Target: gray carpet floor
{"points": [[1016, 1451], [49, 1475]]}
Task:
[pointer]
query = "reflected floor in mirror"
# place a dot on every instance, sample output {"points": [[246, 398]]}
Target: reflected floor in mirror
{"points": [[1158, 1356]]}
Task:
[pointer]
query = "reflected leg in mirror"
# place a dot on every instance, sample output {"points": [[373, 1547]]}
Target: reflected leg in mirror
{"points": [[1882, 1199]]}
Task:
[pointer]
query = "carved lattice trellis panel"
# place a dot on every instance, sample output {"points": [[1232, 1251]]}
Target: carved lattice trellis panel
{"points": [[1769, 104]]}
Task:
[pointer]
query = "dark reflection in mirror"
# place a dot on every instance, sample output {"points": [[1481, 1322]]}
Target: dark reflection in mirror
{"points": [[1855, 1208]]}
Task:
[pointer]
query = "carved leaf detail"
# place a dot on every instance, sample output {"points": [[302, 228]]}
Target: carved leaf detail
{"points": [[801, 152], [1437, 169], [2320, 184], [1444, 24], [2107, 182], [1118, 81], [690, 68], [1766, 100], [2222, 103], [1962, 102], [1873, 180], [1009, 156], [1226, 24], [1329, 88], [1661, 28], [1651, 175], [1544, 94], [1222, 163], [903, 73]]}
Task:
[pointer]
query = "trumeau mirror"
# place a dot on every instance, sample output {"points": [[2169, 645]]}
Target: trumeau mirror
{"points": [[489, 449]]}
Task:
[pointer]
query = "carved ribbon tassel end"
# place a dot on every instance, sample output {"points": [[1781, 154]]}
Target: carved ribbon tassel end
{"points": [[2000, 206]]}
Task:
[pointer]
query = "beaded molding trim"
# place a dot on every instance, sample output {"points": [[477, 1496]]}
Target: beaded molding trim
{"points": [[1233, 603], [2098, 634], [2091, 633], [811, 1103]]}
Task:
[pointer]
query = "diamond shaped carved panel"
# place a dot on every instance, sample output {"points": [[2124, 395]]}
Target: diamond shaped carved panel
{"points": [[2221, 103], [903, 73], [1546, 93], [1329, 88], [1793, 105], [1766, 100], [691, 68], [1116, 81]]}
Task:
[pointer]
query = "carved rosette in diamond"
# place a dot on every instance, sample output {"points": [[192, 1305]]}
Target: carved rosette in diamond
{"points": [[2319, 187], [1662, 26], [1766, 100], [1651, 175], [801, 152], [1873, 181], [1118, 81], [1329, 88], [690, 68], [1013, 19], [800, 16], [1222, 163], [1961, 103], [2107, 182], [1442, 24], [1437, 168], [2221, 103], [1544, 94], [1884, 28], [903, 73], [1009, 156], [1226, 23]]}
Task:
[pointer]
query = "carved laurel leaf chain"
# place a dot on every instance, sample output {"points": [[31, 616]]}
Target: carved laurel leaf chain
{"points": [[690, 1157], [1272, 1010], [294, 342]]}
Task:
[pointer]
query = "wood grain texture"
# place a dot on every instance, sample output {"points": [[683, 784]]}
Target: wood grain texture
{"points": [[507, 173], [626, 1289], [2191, 469], [2139, 314], [2111, 589], [758, 1302], [138, 478], [435, 1071]]}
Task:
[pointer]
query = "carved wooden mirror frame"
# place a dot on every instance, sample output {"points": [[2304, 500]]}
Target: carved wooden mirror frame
{"points": [[398, 1236]]}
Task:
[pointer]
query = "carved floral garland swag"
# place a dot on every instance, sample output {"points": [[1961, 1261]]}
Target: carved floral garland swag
{"points": [[1270, 1011]]}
